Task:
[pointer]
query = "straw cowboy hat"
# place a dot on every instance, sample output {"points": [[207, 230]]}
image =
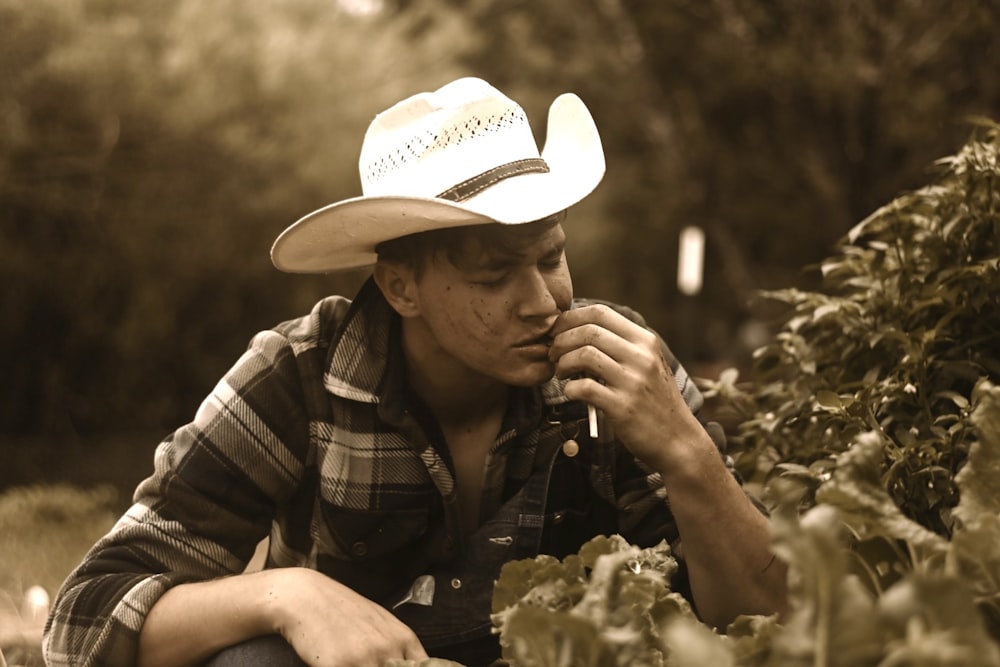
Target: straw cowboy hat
{"points": [[461, 155]]}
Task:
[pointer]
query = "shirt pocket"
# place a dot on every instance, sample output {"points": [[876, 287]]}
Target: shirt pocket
{"points": [[370, 535], [574, 511]]}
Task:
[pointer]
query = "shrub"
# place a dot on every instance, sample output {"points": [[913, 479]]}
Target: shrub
{"points": [[907, 323]]}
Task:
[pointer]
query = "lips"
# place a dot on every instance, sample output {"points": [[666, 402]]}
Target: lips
{"points": [[544, 339]]}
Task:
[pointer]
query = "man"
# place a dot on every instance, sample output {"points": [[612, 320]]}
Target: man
{"points": [[399, 448]]}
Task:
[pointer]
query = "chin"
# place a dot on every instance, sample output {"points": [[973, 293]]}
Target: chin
{"points": [[532, 377]]}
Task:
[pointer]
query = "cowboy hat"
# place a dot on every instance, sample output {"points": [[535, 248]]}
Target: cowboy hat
{"points": [[461, 155]]}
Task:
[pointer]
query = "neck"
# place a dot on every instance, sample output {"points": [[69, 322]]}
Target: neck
{"points": [[455, 393]]}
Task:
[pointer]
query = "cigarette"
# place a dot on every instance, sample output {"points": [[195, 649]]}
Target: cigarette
{"points": [[592, 420]]}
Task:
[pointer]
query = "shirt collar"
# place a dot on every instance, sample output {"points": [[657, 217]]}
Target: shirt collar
{"points": [[358, 355]]}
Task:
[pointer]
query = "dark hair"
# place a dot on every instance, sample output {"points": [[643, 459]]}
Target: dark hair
{"points": [[415, 251]]}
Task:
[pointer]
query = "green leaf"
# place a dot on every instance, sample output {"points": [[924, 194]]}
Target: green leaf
{"points": [[829, 399], [693, 644], [729, 376], [603, 606], [932, 620], [752, 638], [974, 554], [830, 619], [979, 479], [960, 401], [856, 490]]}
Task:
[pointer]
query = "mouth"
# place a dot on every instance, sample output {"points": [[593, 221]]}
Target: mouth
{"points": [[543, 340], [535, 349]]}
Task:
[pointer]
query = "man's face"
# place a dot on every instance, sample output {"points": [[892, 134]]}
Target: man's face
{"points": [[491, 309]]}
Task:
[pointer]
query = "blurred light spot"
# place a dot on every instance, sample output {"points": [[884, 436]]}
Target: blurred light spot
{"points": [[35, 606], [361, 7], [690, 260]]}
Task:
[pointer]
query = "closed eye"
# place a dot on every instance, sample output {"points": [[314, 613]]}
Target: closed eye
{"points": [[492, 282], [554, 259], [502, 269]]}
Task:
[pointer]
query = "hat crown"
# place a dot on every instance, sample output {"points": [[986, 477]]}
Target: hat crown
{"points": [[430, 142]]}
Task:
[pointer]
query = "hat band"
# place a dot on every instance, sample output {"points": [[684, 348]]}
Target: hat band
{"points": [[477, 184]]}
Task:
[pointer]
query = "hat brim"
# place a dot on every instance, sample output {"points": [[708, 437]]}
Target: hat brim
{"points": [[343, 235]]}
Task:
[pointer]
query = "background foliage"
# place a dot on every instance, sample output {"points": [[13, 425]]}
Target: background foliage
{"points": [[150, 152]]}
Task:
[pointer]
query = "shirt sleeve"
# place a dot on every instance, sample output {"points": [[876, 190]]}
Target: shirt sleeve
{"points": [[211, 498]]}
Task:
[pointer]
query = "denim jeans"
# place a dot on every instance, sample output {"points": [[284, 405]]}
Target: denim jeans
{"points": [[270, 651]]}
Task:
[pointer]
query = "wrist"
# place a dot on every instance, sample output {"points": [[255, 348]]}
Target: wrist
{"points": [[290, 593], [277, 590], [688, 455]]}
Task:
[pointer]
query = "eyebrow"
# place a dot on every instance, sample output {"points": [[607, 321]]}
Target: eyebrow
{"points": [[497, 261]]}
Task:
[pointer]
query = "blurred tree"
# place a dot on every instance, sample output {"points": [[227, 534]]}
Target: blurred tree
{"points": [[796, 120], [141, 193], [149, 153]]}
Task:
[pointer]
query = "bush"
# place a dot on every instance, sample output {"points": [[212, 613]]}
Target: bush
{"points": [[905, 327]]}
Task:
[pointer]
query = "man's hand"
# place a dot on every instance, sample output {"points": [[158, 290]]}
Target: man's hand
{"points": [[726, 539], [622, 371], [328, 624]]}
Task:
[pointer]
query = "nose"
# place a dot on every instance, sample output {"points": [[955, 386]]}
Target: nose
{"points": [[537, 299]]}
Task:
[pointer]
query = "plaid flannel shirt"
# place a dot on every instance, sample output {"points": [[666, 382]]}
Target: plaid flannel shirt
{"points": [[310, 440]]}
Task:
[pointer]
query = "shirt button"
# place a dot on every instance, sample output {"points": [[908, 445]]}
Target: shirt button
{"points": [[571, 448], [359, 549], [558, 517], [456, 583]]}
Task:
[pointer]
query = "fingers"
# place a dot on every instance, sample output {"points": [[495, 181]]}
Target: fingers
{"points": [[601, 327], [414, 650], [605, 318], [397, 639], [365, 647], [598, 341], [609, 361]]}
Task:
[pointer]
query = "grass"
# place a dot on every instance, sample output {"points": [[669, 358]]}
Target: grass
{"points": [[45, 530]]}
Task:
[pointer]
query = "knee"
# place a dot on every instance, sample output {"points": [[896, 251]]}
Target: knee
{"points": [[272, 651]]}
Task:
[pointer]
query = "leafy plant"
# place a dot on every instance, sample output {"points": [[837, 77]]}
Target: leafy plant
{"points": [[906, 324], [612, 604], [603, 606]]}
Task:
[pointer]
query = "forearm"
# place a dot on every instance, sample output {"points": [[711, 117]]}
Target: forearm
{"points": [[192, 622], [726, 539], [324, 620]]}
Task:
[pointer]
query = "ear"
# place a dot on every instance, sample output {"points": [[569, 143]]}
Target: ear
{"points": [[398, 286]]}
